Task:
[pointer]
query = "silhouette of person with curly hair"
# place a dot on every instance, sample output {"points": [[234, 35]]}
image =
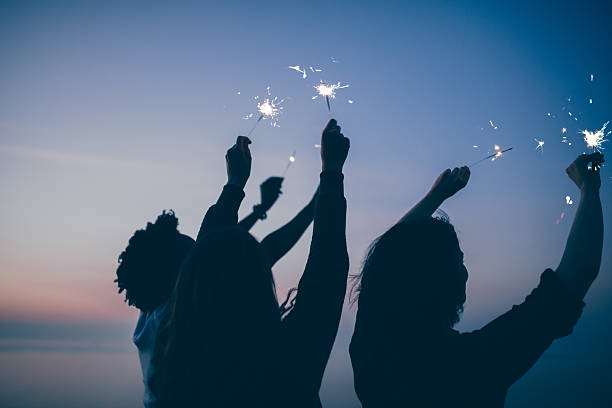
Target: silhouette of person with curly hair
{"points": [[148, 267]]}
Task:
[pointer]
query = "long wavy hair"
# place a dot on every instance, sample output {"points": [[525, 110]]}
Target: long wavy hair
{"points": [[215, 346], [413, 273]]}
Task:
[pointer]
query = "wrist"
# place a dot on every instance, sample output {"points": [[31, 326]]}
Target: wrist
{"points": [[237, 182], [337, 167], [260, 211]]}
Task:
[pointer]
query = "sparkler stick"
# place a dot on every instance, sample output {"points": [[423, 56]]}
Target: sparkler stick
{"points": [[255, 125], [494, 155], [291, 160]]}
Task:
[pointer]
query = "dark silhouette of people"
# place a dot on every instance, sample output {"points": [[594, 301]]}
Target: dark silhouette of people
{"points": [[224, 340], [149, 265], [411, 292]]}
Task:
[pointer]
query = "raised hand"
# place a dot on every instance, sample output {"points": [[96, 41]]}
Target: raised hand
{"points": [[270, 190], [586, 179], [334, 147], [449, 182], [238, 162]]}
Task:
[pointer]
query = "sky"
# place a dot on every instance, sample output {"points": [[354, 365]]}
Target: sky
{"points": [[111, 112]]}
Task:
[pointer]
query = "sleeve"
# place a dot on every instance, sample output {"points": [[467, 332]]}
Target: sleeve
{"points": [[311, 326], [224, 213], [506, 348]]}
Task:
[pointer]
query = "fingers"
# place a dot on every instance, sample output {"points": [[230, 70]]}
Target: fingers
{"points": [[331, 124]]}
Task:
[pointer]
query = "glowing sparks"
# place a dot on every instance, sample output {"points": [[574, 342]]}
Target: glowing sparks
{"points": [[499, 153], [540, 144], [492, 125], [568, 200], [269, 108], [299, 69], [291, 160], [595, 139], [328, 91], [592, 77]]}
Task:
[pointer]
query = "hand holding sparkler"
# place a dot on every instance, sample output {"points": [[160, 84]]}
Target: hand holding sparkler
{"points": [[334, 147], [450, 182], [446, 185], [270, 191], [238, 162], [586, 177]]}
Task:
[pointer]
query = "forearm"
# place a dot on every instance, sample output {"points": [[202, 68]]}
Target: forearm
{"points": [[580, 263], [247, 222], [424, 208], [224, 213], [279, 242]]}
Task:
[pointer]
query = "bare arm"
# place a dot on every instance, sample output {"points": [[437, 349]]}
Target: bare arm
{"points": [[270, 191], [580, 263], [279, 242], [446, 185]]}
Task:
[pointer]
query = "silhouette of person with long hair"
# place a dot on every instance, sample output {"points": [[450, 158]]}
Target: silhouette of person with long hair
{"points": [[225, 341], [148, 267], [411, 292]]}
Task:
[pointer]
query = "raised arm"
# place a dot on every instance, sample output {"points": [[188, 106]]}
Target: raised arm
{"points": [[276, 244], [312, 325], [224, 212], [446, 185], [270, 190], [582, 257]]}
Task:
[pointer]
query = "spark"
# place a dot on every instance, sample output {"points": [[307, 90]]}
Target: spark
{"points": [[499, 153], [269, 108], [595, 139], [590, 100], [592, 77], [540, 144], [350, 101], [317, 146], [475, 146], [569, 99], [299, 69], [568, 200], [238, 93], [548, 114], [328, 91], [492, 125], [563, 130], [335, 61], [315, 69], [291, 160], [569, 113]]}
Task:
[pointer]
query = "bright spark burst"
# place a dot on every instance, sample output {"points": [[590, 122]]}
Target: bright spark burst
{"points": [[300, 70], [568, 200], [540, 144], [595, 139], [492, 125], [329, 90], [268, 108]]}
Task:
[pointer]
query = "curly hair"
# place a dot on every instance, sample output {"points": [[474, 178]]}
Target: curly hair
{"points": [[149, 265]]}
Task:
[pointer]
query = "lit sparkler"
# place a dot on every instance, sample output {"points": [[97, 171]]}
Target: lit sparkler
{"points": [[328, 91], [595, 139], [540, 144], [291, 161], [268, 109], [498, 153]]}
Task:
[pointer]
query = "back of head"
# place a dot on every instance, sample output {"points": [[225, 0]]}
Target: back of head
{"points": [[413, 273], [149, 265], [215, 346]]}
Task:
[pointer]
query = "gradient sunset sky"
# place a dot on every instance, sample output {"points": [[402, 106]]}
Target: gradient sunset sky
{"points": [[112, 112]]}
